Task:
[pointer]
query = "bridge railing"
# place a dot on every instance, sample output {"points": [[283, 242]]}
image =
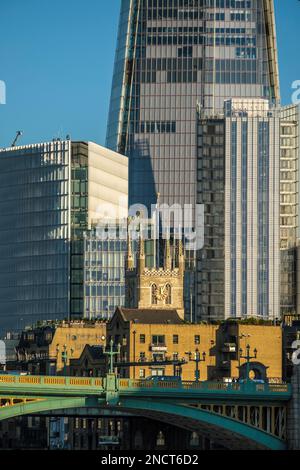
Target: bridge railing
{"points": [[205, 386], [51, 380], [132, 384]]}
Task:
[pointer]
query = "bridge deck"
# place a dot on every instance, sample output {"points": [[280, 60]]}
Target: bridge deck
{"points": [[84, 386]]}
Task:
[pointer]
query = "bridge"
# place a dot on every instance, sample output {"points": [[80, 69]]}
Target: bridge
{"points": [[237, 415]]}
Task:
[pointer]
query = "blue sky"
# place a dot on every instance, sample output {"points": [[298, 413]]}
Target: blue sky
{"points": [[56, 58]]}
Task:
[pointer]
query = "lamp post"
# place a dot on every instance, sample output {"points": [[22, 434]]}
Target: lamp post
{"points": [[248, 358], [64, 356], [111, 353], [197, 359]]}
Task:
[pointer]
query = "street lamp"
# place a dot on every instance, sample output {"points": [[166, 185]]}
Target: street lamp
{"points": [[64, 356], [197, 359], [111, 353], [248, 358]]}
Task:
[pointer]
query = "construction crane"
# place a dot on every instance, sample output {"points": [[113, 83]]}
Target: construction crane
{"points": [[18, 134]]}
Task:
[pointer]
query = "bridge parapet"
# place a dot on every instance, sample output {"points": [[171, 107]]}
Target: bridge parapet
{"points": [[113, 387], [15, 382], [281, 391]]}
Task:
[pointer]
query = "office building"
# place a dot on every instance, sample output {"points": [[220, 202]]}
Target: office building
{"points": [[51, 193], [238, 270], [171, 56], [289, 209]]}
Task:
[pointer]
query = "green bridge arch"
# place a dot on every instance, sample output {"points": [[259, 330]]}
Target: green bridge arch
{"points": [[227, 431]]}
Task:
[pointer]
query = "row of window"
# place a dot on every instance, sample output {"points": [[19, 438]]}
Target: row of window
{"points": [[199, 3], [108, 290], [195, 29], [160, 340], [174, 40], [236, 78], [156, 127], [164, 13]]}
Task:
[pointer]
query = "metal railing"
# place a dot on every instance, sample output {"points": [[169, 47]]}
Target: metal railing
{"points": [[132, 384], [51, 380]]}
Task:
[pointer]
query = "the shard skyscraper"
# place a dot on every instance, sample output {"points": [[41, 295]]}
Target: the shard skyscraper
{"points": [[171, 55]]}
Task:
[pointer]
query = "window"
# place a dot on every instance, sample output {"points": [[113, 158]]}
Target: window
{"points": [[142, 373], [175, 339], [197, 339], [156, 127], [154, 294], [142, 356], [142, 339], [185, 52], [169, 295], [158, 340], [158, 357], [157, 372]]}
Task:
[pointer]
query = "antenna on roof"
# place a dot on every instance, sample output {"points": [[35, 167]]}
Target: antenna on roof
{"points": [[18, 134]]}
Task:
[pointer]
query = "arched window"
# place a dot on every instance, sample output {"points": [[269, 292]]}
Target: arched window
{"points": [[168, 294], [154, 294]]}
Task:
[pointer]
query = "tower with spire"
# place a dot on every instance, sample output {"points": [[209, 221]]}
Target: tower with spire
{"points": [[158, 287]]}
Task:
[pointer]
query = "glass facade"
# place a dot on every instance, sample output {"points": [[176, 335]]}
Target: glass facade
{"points": [[104, 275], [171, 56], [34, 234], [238, 268], [211, 193], [263, 217], [79, 223], [49, 195], [289, 207]]}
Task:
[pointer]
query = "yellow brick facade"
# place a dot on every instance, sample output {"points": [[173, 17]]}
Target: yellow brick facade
{"points": [[267, 340], [75, 337], [44, 346], [220, 343]]}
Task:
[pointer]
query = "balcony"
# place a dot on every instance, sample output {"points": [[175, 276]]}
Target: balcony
{"points": [[158, 348]]}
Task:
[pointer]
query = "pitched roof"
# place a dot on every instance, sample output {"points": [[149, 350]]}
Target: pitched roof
{"points": [[96, 352], [150, 316]]}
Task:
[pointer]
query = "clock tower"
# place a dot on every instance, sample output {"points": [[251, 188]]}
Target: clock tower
{"points": [[158, 288]]}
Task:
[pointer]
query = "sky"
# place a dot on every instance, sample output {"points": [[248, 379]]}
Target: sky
{"points": [[56, 59]]}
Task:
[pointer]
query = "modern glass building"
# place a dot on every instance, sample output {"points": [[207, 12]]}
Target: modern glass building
{"points": [[50, 195], [176, 61], [238, 270], [104, 274], [289, 208], [172, 57]]}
